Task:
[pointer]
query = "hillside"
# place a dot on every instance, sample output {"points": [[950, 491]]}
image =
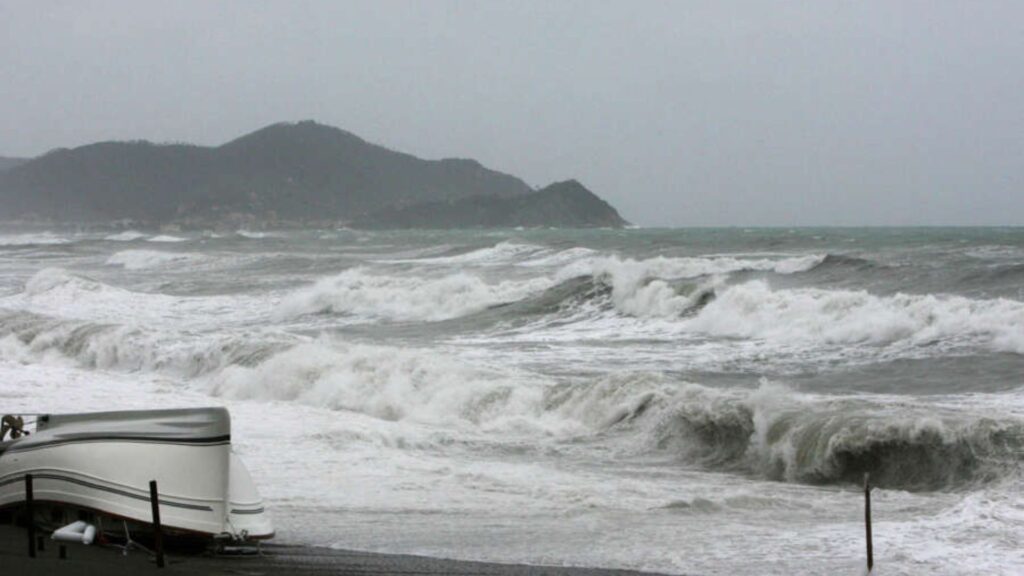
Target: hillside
{"points": [[7, 163], [285, 174], [564, 204]]}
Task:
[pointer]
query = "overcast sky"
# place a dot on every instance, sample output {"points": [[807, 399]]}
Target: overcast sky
{"points": [[679, 113]]}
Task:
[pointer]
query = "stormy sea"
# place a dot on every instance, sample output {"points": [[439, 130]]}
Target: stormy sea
{"points": [[701, 401]]}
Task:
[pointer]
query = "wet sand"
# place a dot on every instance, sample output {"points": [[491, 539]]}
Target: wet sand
{"points": [[273, 560]]}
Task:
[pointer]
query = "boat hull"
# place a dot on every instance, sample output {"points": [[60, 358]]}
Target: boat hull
{"points": [[105, 461]]}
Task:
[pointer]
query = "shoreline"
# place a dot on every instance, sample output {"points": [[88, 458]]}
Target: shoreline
{"points": [[274, 559]]}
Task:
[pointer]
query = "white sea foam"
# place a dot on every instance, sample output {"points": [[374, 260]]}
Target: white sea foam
{"points": [[995, 252], [427, 444], [754, 310], [145, 259], [781, 434], [386, 383], [501, 253], [559, 258], [126, 347], [360, 292], [642, 288], [257, 235], [61, 294], [166, 238], [126, 236], [42, 238]]}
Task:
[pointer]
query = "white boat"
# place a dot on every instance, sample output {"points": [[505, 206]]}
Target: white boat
{"points": [[100, 465]]}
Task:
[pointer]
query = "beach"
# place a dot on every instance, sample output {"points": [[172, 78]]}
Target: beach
{"points": [[273, 560]]}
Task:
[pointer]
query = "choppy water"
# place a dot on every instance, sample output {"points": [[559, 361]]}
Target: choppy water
{"points": [[697, 401]]}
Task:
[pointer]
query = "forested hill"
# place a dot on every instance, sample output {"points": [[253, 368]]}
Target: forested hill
{"points": [[284, 174], [563, 205], [6, 163]]}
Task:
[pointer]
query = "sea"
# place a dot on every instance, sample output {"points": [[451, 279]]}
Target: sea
{"points": [[687, 401]]}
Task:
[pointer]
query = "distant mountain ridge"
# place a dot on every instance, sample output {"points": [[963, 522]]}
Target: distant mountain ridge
{"points": [[284, 174], [7, 163]]}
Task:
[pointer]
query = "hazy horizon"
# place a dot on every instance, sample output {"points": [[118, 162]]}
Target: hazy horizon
{"points": [[696, 114]]}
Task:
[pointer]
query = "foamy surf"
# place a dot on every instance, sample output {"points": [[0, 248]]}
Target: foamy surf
{"points": [[143, 259], [365, 294], [33, 239], [442, 390], [126, 236], [166, 238]]}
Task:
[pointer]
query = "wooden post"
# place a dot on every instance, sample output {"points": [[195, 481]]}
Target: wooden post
{"points": [[867, 521], [31, 516], [158, 536]]}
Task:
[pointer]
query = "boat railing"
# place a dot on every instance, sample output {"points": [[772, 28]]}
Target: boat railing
{"points": [[14, 426]]}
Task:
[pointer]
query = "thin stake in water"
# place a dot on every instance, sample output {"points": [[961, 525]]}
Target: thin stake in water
{"points": [[867, 520]]}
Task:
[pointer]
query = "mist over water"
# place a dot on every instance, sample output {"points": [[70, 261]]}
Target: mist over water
{"points": [[688, 401]]}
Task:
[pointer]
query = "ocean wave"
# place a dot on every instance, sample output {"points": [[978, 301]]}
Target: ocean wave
{"points": [[49, 279], [257, 235], [782, 435], [406, 298], [387, 383], [995, 252], [754, 310], [656, 287], [38, 239], [560, 257], [651, 287], [844, 263], [126, 236], [27, 338], [500, 253], [60, 293], [146, 259], [166, 238], [771, 432]]}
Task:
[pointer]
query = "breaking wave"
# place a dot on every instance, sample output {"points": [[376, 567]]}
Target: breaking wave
{"points": [[57, 292], [166, 238], [40, 239], [359, 292], [640, 288], [782, 435], [145, 259], [693, 295], [257, 235], [27, 337], [754, 310], [771, 432], [126, 236], [501, 253]]}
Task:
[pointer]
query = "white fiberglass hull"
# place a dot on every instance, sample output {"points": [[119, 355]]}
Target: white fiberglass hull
{"points": [[105, 461]]}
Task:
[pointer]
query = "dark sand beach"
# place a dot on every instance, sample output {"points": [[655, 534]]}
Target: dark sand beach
{"points": [[274, 559]]}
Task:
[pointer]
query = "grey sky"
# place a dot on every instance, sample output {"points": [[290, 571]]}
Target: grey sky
{"points": [[679, 113]]}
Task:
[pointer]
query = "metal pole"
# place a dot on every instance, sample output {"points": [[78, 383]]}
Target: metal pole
{"points": [[158, 536], [867, 521], [31, 513]]}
